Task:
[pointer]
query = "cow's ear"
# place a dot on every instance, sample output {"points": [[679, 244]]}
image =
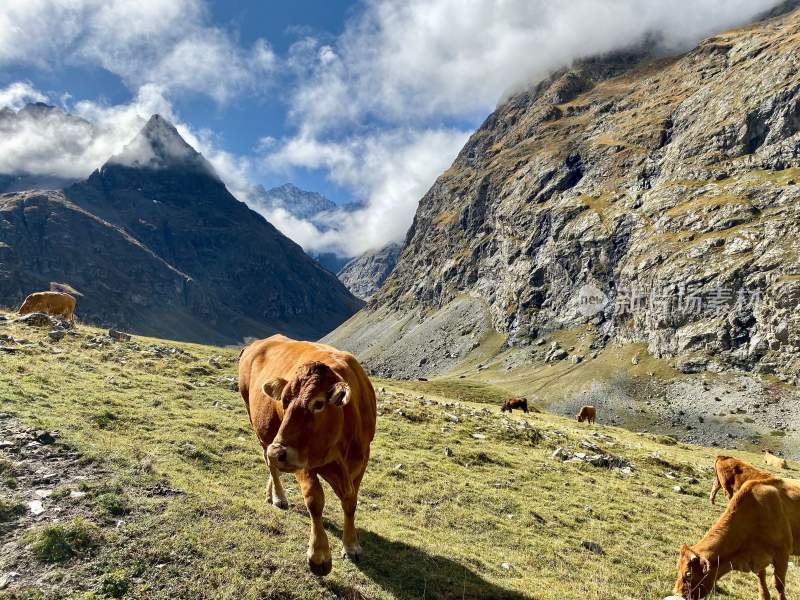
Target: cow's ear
{"points": [[705, 564], [274, 387], [339, 394]]}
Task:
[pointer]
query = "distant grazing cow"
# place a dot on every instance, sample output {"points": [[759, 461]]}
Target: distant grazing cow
{"points": [[586, 413], [774, 461], [731, 473], [512, 403], [57, 304], [313, 409], [761, 526]]}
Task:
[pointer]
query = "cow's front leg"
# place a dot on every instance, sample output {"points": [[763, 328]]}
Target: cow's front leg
{"points": [[346, 488], [763, 591], [275, 493], [319, 552], [350, 547]]}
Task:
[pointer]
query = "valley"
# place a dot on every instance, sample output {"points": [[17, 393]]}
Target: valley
{"points": [[459, 500]]}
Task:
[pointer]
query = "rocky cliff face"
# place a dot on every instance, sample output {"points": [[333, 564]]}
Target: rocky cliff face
{"points": [[657, 200], [365, 274], [184, 257]]}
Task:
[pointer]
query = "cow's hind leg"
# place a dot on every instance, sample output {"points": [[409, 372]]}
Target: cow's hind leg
{"points": [[319, 551], [275, 494], [763, 591], [781, 564]]}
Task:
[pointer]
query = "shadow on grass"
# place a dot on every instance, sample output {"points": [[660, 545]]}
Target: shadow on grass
{"points": [[409, 572]]}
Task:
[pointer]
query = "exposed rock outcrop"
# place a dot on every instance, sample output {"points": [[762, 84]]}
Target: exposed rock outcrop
{"points": [[365, 274], [657, 199]]}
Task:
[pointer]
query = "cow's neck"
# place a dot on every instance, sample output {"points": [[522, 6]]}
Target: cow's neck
{"points": [[721, 547]]}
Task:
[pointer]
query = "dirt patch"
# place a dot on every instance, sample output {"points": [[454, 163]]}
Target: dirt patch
{"points": [[45, 488]]}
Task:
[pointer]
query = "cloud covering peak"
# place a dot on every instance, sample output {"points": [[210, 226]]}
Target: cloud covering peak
{"points": [[386, 107]]}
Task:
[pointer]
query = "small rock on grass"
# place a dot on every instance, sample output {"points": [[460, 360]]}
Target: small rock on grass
{"points": [[57, 334], [593, 547], [120, 336]]}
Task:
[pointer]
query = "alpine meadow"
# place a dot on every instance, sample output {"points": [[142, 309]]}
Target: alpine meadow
{"points": [[399, 300]]}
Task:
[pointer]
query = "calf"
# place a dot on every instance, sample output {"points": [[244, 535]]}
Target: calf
{"points": [[57, 304], [313, 410], [586, 413], [731, 473], [512, 403], [761, 526], [774, 461]]}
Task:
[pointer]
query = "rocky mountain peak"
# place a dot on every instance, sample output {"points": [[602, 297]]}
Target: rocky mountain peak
{"points": [[159, 146], [299, 203]]}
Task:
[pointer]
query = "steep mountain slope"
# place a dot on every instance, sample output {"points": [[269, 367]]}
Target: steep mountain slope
{"points": [[654, 199], [46, 238], [233, 271], [365, 274]]}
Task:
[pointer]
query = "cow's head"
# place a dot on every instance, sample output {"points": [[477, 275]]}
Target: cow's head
{"points": [[313, 418], [694, 575]]}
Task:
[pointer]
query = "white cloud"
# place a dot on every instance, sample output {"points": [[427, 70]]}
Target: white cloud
{"points": [[390, 171], [73, 146], [369, 108], [167, 43], [18, 94]]}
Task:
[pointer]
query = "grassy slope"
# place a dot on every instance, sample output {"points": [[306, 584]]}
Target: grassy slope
{"points": [[432, 526]]}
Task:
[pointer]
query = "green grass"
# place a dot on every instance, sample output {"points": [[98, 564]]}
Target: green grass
{"points": [[10, 509], [60, 542], [455, 389], [471, 507]]}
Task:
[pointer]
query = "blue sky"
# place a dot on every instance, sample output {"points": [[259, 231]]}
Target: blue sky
{"points": [[368, 100], [241, 122]]}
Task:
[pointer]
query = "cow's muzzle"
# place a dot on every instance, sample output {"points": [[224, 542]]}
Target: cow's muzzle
{"points": [[283, 457]]}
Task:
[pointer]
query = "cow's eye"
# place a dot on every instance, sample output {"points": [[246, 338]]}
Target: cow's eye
{"points": [[317, 405]]}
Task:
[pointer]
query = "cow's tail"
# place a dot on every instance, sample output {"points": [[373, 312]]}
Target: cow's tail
{"points": [[715, 487]]}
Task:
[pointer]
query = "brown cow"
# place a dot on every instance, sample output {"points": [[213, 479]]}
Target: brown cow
{"points": [[313, 409], [774, 461], [53, 303], [512, 403], [587, 413], [731, 473], [761, 526]]}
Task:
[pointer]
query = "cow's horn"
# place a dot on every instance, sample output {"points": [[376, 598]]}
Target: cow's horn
{"points": [[339, 394]]}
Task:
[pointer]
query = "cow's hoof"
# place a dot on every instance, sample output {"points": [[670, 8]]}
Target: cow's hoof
{"points": [[281, 503], [354, 557], [320, 569], [352, 553]]}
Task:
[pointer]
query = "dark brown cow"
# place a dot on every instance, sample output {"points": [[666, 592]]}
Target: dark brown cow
{"points": [[512, 403], [586, 413], [53, 303], [313, 409], [760, 527], [730, 474]]}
